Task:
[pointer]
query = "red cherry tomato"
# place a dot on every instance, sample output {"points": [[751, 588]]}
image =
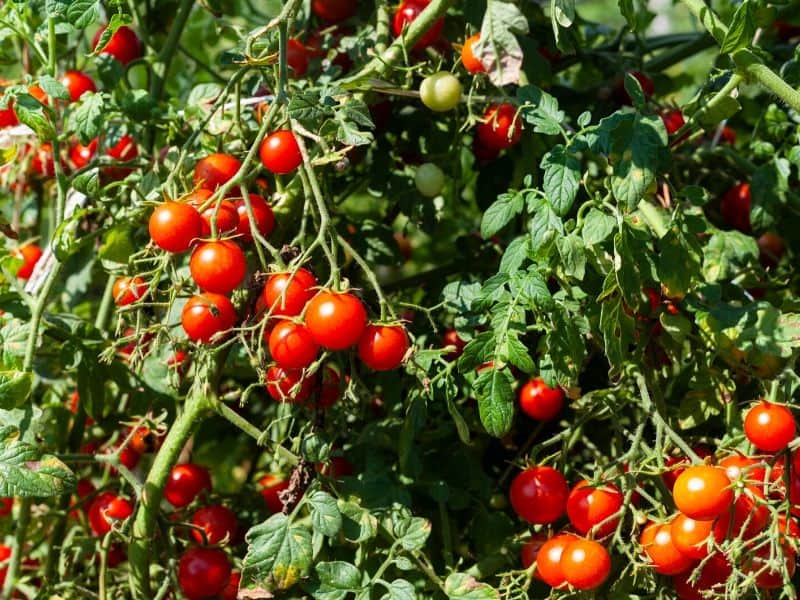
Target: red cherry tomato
{"points": [[281, 385], [451, 338], [333, 11], [539, 495], [231, 591], [174, 226], [127, 290], [770, 427], [123, 151], [673, 121], [292, 346], [539, 401], [770, 578], [702, 492], [124, 45], [383, 347], [207, 314], [297, 57], [407, 12], [690, 537], [215, 170], [747, 518], [748, 470], [218, 267], [271, 487], [6, 504], [107, 508], [286, 294], [335, 320], [656, 539], [203, 572], [226, 214], [548, 560], [262, 212], [81, 155], [145, 440], [468, 59], [770, 249], [280, 152], [217, 523], [42, 163], [588, 506], [735, 207], [500, 128], [30, 255], [675, 463], [586, 564], [8, 118], [530, 551], [185, 482], [77, 84]]}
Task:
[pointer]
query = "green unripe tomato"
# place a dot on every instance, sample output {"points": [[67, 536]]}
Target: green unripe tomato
{"points": [[429, 180], [441, 91]]}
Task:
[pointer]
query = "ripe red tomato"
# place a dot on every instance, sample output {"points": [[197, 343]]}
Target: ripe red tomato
{"points": [[383, 347], [145, 440], [713, 573], [280, 152], [124, 150], [656, 539], [297, 57], [539, 495], [226, 214], [77, 84], [548, 560], [286, 295], [451, 338], [292, 346], [589, 506], [105, 509], [500, 128], [749, 470], [174, 226], [768, 577], [770, 249], [124, 44], [81, 155], [690, 537], [207, 314], [735, 207], [8, 118], [219, 266], [271, 486], [702, 492], [281, 383], [262, 212], [6, 504], [673, 121], [127, 290], [747, 518], [675, 462], [539, 401], [42, 163], [203, 572], [216, 523], [728, 135], [335, 320], [407, 12], [185, 482], [333, 11], [215, 170], [468, 58], [231, 591], [586, 564], [530, 550], [770, 427], [30, 255]]}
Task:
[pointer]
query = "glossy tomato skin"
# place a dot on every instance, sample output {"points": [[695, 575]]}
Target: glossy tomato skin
{"points": [[539, 401], [124, 45], [271, 487], [750, 471], [215, 170], [124, 150], [770, 427], [207, 314], [77, 83], [690, 537], [105, 509], [175, 226], [30, 255], [468, 59], [500, 128], [263, 214], [216, 522], [548, 559], [586, 564], [334, 11], [336, 320], [451, 338], [406, 13], [281, 382], [440, 92], [297, 57], [226, 214], [185, 482], [539, 495], [231, 590], [713, 573], [6, 504], [703, 492], [127, 290], [656, 539], [735, 207], [675, 462], [747, 518], [219, 266], [81, 155], [292, 346], [8, 118], [299, 289], [383, 347], [203, 572], [589, 506], [673, 121], [280, 152]]}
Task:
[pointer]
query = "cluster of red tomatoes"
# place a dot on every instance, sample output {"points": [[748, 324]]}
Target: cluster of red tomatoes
{"points": [[723, 509]]}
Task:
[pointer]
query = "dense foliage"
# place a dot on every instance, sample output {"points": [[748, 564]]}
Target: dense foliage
{"points": [[339, 299]]}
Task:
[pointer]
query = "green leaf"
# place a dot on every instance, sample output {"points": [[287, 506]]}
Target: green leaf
{"points": [[498, 48], [562, 175], [617, 328], [117, 244], [678, 263], [562, 14], [88, 119], [627, 11], [339, 575], [82, 13], [541, 110], [278, 554], [325, 516], [15, 388], [399, 589], [88, 182], [495, 400], [53, 88], [460, 586], [500, 213], [117, 20], [597, 226], [358, 525], [545, 226], [32, 113], [741, 29], [515, 254], [412, 533], [726, 254], [26, 472]]}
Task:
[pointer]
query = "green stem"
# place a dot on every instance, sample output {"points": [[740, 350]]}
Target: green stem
{"points": [[105, 304], [254, 432], [23, 519], [36, 316], [161, 69], [51, 52], [708, 19], [659, 420]]}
